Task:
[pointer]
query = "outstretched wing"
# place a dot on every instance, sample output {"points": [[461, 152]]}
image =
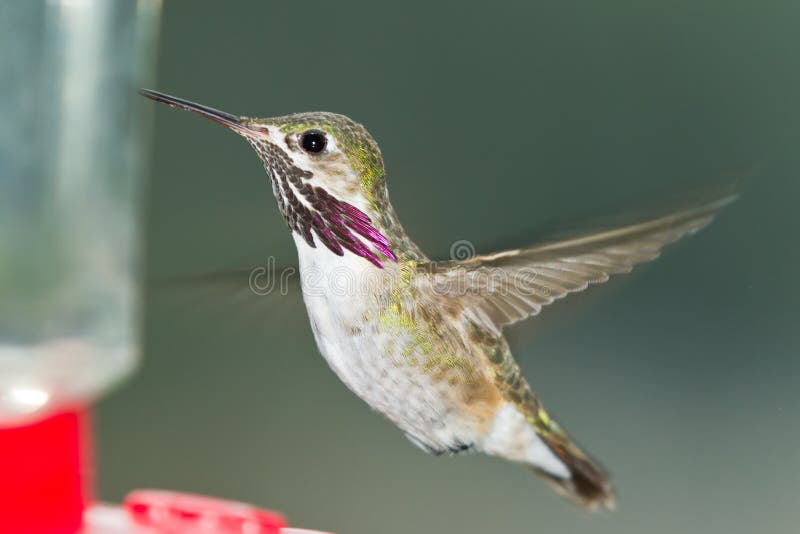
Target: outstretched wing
{"points": [[503, 288]]}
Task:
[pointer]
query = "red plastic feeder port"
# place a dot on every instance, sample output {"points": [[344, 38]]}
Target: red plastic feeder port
{"points": [[170, 512]]}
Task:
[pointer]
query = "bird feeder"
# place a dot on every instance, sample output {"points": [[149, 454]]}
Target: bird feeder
{"points": [[71, 170]]}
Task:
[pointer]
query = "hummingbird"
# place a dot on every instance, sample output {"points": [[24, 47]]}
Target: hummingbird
{"points": [[421, 341]]}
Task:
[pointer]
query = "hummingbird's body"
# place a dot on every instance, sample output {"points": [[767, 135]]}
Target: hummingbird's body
{"points": [[419, 340], [448, 383], [409, 359]]}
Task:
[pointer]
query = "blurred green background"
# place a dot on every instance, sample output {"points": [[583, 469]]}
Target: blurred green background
{"points": [[495, 120]]}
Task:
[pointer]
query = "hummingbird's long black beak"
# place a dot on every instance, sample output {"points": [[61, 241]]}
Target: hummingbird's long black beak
{"points": [[226, 119]]}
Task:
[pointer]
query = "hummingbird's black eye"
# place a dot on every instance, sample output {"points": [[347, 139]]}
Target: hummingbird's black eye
{"points": [[313, 141]]}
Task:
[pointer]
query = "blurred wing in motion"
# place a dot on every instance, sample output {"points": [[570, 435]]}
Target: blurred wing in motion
{"points": [[503, 288], [245, 297]]}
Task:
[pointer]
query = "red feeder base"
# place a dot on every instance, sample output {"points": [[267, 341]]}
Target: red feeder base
{"points": [[43, 470]]}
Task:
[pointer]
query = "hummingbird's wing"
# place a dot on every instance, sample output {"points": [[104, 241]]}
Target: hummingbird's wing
{"points": [[505, 287], [235, 300]]}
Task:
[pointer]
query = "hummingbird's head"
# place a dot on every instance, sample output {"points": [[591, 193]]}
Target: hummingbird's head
{"points": [[326, 173]]}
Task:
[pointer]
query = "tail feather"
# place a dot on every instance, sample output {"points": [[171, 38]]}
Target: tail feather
{"points": [[588, 484], [536, 441]]}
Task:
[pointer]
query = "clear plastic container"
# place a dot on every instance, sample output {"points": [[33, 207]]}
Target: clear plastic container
{"points": [[70, 189]]}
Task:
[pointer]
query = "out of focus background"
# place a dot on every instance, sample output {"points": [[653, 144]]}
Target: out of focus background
{"points": [[496, 123]]}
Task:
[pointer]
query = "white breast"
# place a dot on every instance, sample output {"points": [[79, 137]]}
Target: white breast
{"points": [[340, 295]]}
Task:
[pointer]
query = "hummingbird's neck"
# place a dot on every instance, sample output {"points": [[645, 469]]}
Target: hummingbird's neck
{"points": [[366, 226], [385, 220]]}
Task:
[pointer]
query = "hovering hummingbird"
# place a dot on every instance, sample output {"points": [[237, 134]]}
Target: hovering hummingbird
{"points": [[421, 341]]}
